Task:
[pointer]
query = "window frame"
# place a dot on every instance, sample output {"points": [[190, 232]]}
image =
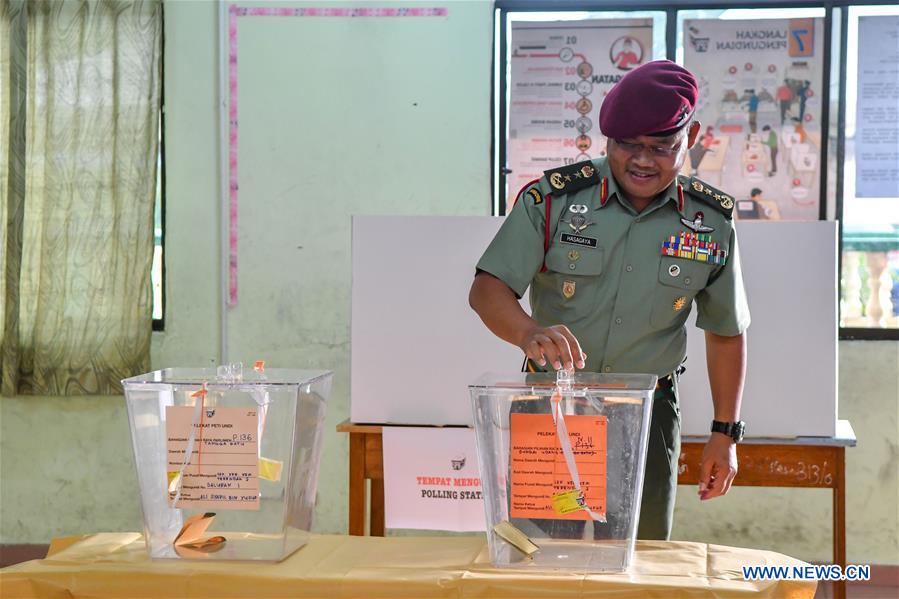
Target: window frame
{"points": [[499, 91], [158, 324], [850, 333]]}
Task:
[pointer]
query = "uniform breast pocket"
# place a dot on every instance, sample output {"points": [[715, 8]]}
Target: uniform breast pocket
{"points": [[569, 285], [679, 281]]}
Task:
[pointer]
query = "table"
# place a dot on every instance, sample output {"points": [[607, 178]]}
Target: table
{"points": [[116, 565], [756, 158], [770, 209], [811, 462]]}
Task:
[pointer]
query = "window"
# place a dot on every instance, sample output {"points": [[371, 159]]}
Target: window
{"points": [[157, 274], [842, 165], [869, 290]]}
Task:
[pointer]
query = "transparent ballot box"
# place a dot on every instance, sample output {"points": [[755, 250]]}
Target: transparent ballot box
{"points": [[562, 462], [227, 460]]}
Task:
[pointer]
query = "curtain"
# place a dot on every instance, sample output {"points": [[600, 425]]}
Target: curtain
{"points": [[79, 114]]}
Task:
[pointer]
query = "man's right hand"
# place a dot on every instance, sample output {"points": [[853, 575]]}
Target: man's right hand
{"points": [[556, 345], [498, 307]]}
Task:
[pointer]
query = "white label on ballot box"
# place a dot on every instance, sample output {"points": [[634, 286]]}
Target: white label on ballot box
{"points": [[431, 479], [223, 470]]}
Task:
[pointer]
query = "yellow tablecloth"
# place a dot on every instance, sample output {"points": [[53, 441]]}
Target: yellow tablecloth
{"points": [[116, 565]]}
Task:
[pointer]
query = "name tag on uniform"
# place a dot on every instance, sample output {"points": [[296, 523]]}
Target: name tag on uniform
{"points": [[578, 240]]}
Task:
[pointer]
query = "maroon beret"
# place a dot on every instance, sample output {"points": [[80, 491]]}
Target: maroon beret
{"points": [[656, 98]]}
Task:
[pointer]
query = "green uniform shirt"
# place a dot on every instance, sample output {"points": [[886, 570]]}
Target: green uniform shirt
{"points": [[609, 282]]}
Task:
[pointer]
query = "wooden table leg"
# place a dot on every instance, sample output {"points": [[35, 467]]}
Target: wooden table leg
{"points": [[839, 520], [357, 484], [377, 507]]}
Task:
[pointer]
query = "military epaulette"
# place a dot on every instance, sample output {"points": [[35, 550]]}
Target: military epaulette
{"points": [[571, 178], [703, 191]]}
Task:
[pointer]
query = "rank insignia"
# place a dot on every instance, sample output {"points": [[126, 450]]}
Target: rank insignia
{"points": [[535, 195], [574, 177], [679, 304], [719, 199], [568, 289], [557, 181]]}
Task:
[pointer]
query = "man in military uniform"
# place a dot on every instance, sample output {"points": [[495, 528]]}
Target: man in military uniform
{"points": [[616, 251]]}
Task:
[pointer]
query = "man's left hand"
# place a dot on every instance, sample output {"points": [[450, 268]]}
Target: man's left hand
{"points": [[718, 467]]}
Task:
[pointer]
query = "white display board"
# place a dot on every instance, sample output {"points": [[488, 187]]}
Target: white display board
{"points": [[790, 273], [416, 343]]}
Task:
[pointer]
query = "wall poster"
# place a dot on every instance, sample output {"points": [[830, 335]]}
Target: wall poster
{"points": [[560, 72], [760, 108], [877, 108]]}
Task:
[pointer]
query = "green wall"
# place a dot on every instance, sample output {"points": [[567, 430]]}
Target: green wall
{"points": [[394, 119]]}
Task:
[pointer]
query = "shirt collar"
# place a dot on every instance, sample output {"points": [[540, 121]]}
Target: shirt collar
{"points": [[670, 194], [675, 194]]}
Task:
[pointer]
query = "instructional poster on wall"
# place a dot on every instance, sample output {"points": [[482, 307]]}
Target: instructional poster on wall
{"points": [[760, 84], [877, 108], [560, 73]]}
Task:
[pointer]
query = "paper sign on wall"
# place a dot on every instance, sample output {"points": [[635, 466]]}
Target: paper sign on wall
{"points": [[432, 479], [539, 470], [560, 73], [760, 89], [223, 470], [877, 112]]}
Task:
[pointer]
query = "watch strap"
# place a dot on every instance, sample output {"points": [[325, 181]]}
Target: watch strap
{"points": [[734, 430]]}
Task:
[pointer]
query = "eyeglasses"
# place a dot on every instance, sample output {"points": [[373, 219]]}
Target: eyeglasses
{"points": [[654, 150]]}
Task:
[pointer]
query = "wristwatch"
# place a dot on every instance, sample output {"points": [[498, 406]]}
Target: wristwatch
{"points": [[734, 430]]}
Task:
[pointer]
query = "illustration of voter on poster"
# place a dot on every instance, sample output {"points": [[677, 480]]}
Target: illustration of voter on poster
{"points": [[755, 101], [769, 138], [752, 107], [799, 135], [803, 94], [757, 207], [626, 53], [785, 97]]}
